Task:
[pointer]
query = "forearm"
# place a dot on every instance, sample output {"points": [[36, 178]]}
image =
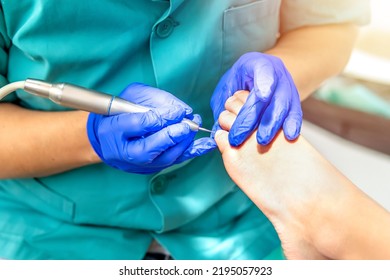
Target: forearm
{"points": [[314, 53], [36, 143]]}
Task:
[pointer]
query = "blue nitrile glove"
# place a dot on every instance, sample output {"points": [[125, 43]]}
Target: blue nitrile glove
{"points": [[273, 100], [147, 142]]}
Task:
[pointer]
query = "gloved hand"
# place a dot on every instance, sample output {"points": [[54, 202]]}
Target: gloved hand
{"points": [[273, 100], [147, 142]]}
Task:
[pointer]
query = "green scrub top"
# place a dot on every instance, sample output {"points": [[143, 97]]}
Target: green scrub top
{"points": [[97, 212]]}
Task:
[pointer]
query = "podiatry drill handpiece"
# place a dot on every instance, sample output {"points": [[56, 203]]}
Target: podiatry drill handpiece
{"points": [[89, 100]]}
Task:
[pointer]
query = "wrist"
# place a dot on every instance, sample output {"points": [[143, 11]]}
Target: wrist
{"points": [[86, 152]]}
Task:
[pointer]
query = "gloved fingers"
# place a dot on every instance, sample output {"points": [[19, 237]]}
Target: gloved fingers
{"points": [[238, 77], [144, 150], [170, 156], [152, 97], [265, 81], [276, 112], [247, 119], [140, 124], [225, 88], [198, 148], [292, 124], [217, 105]]}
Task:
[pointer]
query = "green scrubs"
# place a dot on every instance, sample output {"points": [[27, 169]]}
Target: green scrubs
{"points": [[97, 212]]}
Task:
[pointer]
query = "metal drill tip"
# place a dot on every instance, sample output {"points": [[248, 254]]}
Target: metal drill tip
{"points": [[204, 129]]}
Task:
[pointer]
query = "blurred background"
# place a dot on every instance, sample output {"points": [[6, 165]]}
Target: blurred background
{"points": [[348, 118]]}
